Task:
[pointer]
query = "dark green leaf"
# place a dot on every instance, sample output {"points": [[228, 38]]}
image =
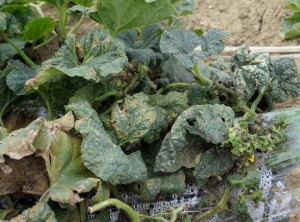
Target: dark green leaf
{"points": [[173, 183], [9, 23], [133, 14], [212, 43], [18, 76], [99, 154], [285, 79], [134, 119], [158, 126], [208, 121], [201, 95], [214, 163], [94, 57], [181, 43], [143, 50], [6, 96], [39, 212], [7, 51], [252, 73], [174, 103], [184, 7], [38, 28], [174, 71], [22, 13]]}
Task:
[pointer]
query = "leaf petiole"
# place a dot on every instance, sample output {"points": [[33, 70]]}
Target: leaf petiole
{"points": [[21, 53], [222, 206], [172, 85], [134, 216]]}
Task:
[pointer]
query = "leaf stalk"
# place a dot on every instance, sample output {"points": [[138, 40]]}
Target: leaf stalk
{"points": [[21, 53], [134, 216]]}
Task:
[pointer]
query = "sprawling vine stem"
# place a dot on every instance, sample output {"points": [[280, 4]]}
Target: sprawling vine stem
{"points": [[172, 85], [222, 206], [134, 216]]}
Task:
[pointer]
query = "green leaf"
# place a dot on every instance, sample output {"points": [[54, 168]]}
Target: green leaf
{"points": [[214, 163], [7, 51], [103, 193], [181, 44], [18, 76], [39, 212], [184, 7], [123, 15], [9, 23], [174, 103], [22, 13], [143, 50], [57, 3], [68, 176], [173, 183], [158, 126], [174, 71], [94, 57], [134, 119], [26, 141], [99, 154], [285, 80], [4, 214], [37, 28], [290, 25], [212, 43], [201, 95], [252, 72], [208, 121], [6, 97]]}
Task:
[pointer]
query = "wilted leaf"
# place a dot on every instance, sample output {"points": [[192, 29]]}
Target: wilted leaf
{"points": [[134, 119], [99, 153], [68, 176], [27, 175], [252, 72], [39, 212], [133, 14], [94, 57], [65, 123], [26, 141], [173, 183], [9, 23], [208, 121], [103, 193], [214, 163], [285, 79], [144, 49], [37, 28]]}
